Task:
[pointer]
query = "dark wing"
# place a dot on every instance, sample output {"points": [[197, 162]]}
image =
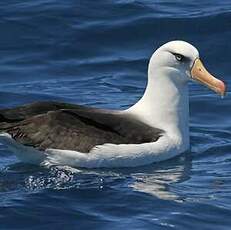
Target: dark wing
{"points": [[22, 112], [79, 128]]}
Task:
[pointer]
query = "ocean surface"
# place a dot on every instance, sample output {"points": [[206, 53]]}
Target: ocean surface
{"points": [[96, 53]]}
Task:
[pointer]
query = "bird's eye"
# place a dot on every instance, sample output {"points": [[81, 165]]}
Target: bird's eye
{"points": [[179, 57]]}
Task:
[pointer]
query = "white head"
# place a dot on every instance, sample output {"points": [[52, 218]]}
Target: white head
{"points": [[165, 102], [181, 61]]}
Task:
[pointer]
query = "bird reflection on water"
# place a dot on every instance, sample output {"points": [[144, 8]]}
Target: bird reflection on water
{"points": [[156, 180]]}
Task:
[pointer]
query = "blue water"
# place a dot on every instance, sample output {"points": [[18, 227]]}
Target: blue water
{"points": [[96, 53]]}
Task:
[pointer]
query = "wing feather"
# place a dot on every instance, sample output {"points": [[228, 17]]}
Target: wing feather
{"points": [[55, 125]]}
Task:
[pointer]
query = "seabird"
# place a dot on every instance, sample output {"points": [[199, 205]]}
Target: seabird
{"points": [[154, 129]]}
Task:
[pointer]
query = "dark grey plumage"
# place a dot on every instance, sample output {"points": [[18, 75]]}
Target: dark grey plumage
{"points": [[66, 126]]}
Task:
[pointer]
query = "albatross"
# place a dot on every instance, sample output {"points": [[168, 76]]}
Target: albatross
{"points": [[154, 129]]}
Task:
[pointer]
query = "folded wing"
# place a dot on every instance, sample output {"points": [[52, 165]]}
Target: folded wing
{"points": [[72, 127]]}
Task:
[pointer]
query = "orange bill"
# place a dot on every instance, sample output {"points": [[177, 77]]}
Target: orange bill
{"points": [[199, 73]]}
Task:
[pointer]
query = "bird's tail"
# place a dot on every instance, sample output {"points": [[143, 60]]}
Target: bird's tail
{"points": [[26, 154]]}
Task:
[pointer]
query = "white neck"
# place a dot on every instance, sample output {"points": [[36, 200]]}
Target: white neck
{"points": [[165, 105]]}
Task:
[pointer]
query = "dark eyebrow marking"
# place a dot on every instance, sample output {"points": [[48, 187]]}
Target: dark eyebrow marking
{"points": [[184, 58]]}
